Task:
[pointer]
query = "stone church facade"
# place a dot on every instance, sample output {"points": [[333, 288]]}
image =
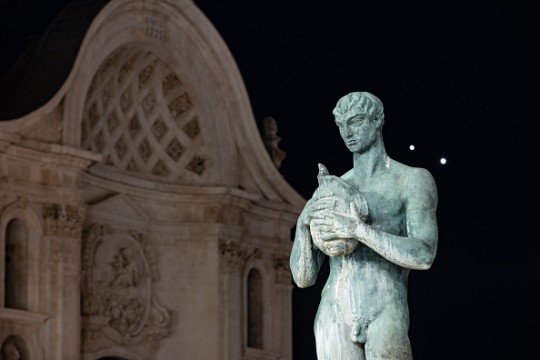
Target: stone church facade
{"points": [[141, 216]]}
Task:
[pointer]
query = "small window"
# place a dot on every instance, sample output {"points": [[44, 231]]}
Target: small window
{"points": [[255, 310], [16, 266]]}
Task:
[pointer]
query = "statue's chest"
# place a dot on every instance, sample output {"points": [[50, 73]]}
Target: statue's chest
{"points": [[386, 208]]}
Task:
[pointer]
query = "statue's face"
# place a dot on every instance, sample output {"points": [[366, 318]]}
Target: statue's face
{"points": [[357, 131]]}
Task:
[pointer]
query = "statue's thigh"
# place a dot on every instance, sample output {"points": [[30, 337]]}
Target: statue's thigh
{"points": [[387, 338], [333, 337]]}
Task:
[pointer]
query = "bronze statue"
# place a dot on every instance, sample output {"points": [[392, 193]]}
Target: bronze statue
{"points": [[376, 223]]}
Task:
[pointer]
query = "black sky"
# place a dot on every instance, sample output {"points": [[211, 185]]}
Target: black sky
{"points": [[458, 79]]}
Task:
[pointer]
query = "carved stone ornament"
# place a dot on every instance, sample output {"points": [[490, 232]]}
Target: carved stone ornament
{"points": [[19, 202], [234, 254], [63, 220], [119, 269]]}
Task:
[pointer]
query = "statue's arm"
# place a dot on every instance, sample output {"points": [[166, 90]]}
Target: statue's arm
{"points": [[417, 249], [306, 260]]}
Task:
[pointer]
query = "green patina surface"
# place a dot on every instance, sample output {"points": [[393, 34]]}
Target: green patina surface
{"points": [[376, 222]]}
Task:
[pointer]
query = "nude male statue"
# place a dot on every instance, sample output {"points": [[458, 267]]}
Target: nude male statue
{"points": [[376, 223]]}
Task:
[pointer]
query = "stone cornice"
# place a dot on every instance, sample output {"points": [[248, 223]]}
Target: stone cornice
{"points": [[40, 152], [22, 316]]}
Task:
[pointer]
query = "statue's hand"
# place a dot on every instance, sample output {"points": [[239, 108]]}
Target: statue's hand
{"points": [[314, 208], [332, 225]]}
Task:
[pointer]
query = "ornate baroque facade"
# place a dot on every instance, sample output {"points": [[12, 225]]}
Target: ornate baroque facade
{"points": [[141, 216]]}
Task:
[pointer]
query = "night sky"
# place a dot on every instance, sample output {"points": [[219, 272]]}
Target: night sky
{"points": [[458, 80]]}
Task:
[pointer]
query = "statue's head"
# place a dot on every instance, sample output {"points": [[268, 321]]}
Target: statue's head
{"points": [[359, 117], [360, 103]]}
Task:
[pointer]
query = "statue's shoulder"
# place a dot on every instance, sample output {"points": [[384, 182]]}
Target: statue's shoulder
{"points": [[413, 178], [418, 185], [410, 173], [418, 175]]}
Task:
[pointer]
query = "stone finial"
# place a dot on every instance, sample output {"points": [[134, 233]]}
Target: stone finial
{"points": [[271, 141]]}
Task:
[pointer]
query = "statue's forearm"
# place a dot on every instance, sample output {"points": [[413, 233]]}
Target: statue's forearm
{"points": [[305, 261], [408, 252]]}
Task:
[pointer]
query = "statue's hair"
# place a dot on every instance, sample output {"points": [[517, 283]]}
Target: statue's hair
{"points": [[362, 102]]}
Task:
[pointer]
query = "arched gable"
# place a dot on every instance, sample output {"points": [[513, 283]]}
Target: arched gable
{"points": [[176, 39], [144, 68], [168, 42]]}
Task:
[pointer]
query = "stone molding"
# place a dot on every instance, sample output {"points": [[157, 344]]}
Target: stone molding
{"points": [[258, 354], [28, 317]]}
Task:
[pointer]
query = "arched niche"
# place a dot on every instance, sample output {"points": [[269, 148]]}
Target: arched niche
{"points": [[255, 309], [16, 265], [21, 232], [14, 348]]}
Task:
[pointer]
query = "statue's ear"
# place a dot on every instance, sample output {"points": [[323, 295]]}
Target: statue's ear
{"points": [[378, 121]]}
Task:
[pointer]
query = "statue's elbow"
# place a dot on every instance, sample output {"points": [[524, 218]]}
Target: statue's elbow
{"points": [[304, 284], [427, 261], [303, 281]]}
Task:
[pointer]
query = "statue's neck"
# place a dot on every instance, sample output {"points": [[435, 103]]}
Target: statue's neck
{"points": [[371, 162]]}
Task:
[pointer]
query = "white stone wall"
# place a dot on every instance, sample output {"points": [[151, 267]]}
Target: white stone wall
{"points": [[148, 194]]}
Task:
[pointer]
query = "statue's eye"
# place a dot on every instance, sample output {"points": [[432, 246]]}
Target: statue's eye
{"points": [[357, 121]]}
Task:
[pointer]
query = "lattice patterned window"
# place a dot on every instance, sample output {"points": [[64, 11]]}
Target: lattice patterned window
{"points": [[140, 116]]}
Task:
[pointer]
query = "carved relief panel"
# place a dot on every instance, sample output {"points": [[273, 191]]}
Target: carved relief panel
{"points": [[119, 305]]}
